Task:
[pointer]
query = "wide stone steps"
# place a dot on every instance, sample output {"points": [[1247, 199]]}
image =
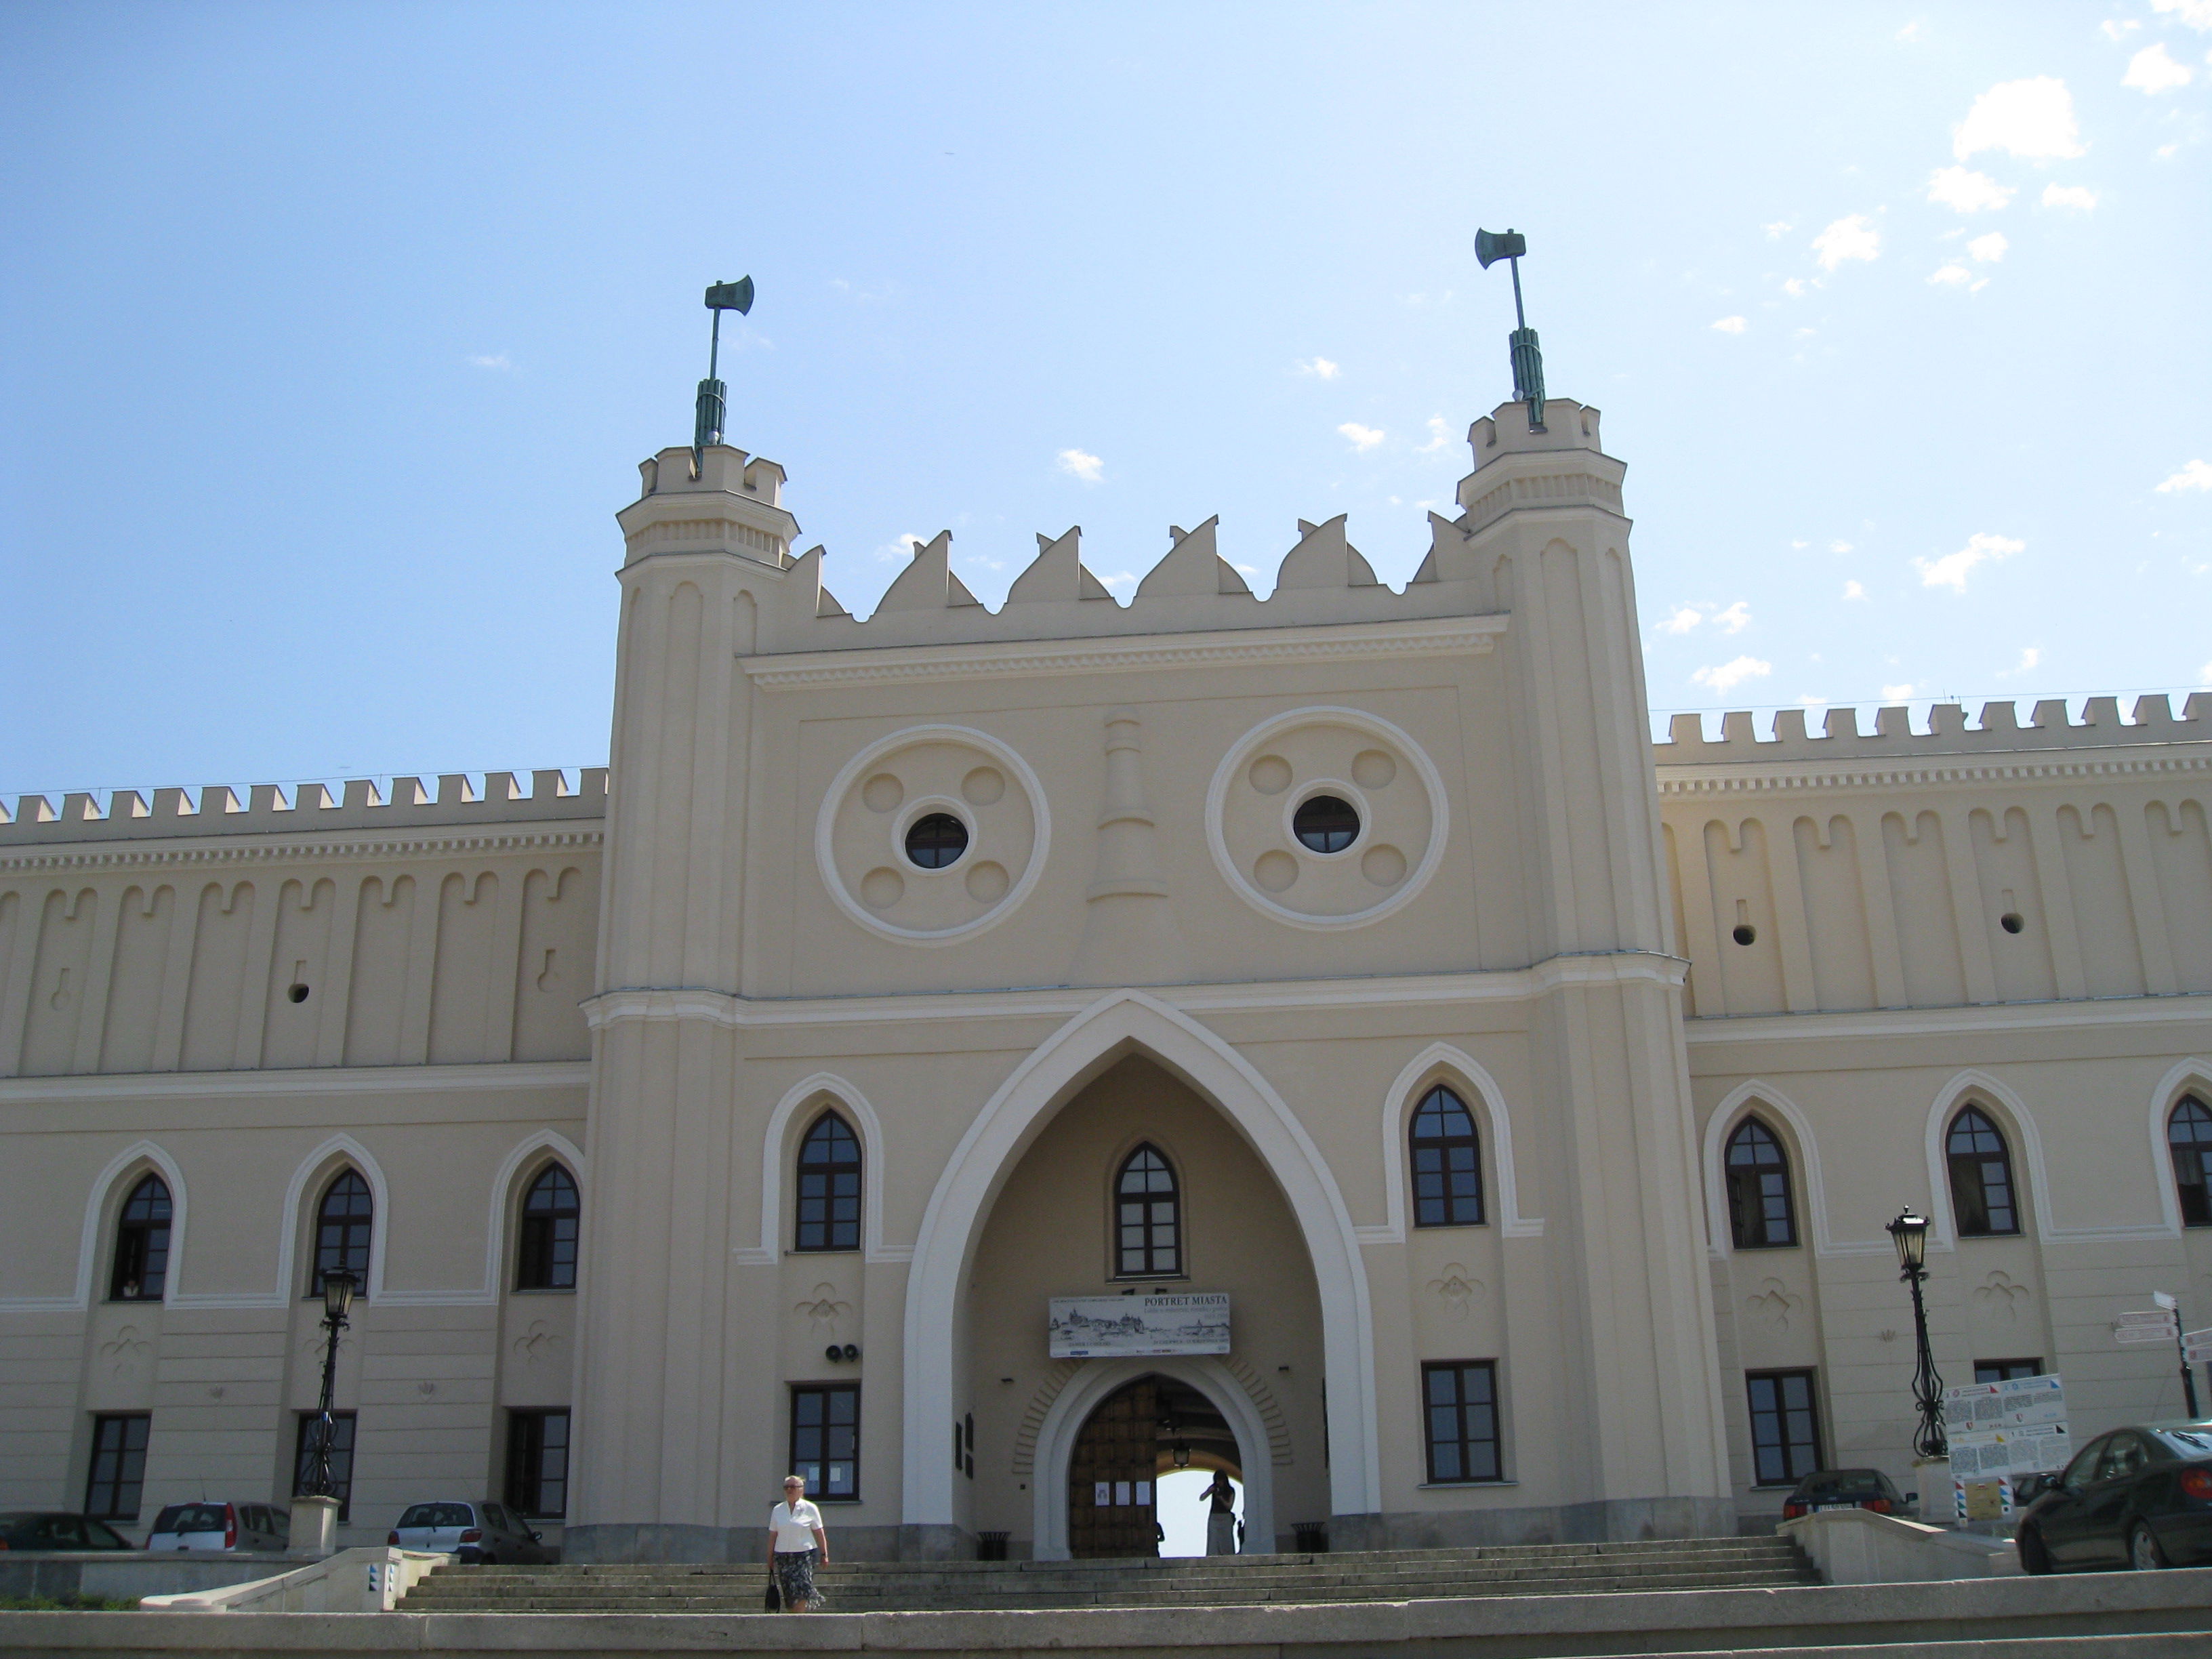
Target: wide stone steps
{"points": [[1248, 1581]]}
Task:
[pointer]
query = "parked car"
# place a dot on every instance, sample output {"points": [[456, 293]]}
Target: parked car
{"points": [[49, 1529], [2140, 1496], [1845, 1489], [484, 1533], [211, 1525]]}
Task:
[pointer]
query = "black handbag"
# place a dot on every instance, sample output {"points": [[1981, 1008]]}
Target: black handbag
{"points": [[773, 1602]]}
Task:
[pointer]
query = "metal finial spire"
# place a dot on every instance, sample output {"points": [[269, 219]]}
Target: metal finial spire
{"points": [[1489, 246], [707, 427]]}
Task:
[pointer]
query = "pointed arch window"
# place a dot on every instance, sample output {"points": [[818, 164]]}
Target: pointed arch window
{"points": [[1447, 1162], [1982, 1193], [2189, 1138], [829, 1186], [1761, 1215], [1148, 1217], [142, 1244], [341, 1230], [551, 1214]]}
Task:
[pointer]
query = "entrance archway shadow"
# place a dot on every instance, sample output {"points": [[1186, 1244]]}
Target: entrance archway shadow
{"points": [[1098, 1379], [1122, 1024]]}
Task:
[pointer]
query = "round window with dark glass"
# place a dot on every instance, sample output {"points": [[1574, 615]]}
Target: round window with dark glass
{"points": [[1327, 823], [936, 840]]}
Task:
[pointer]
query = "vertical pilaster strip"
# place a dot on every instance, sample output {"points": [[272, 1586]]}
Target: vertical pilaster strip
{"points": [[253, 990], [2160, 978], [1703, 944], [2045, 834], [426, 898], [99, 974], [176, 976], [26, 915], [1966, 884], [1785, 887], [505, 962], [1881, 908], [336, 988]]}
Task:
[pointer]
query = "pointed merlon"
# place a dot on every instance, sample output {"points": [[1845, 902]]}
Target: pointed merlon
{"points": [[927, 583], [1446, 539], [1057, 574], [1323, 558], [1192, 567], [807, 578]]}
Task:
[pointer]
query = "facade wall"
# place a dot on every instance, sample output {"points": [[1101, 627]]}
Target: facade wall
{"points": [[1543, 913]]}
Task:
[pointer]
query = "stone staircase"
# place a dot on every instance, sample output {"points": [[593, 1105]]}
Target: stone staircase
{"points": [[1685, 1564]]}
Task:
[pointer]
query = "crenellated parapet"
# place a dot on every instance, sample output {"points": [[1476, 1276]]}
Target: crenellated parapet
{"points": [[731, 503], [307, 808], [1998, 730]]}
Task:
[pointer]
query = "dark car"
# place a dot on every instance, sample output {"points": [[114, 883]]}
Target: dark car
{"points": [[1844, 1489], [486, 1532], [2139, 1497], [52, 1529]]}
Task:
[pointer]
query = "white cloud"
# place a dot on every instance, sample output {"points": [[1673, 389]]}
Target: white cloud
{"points": [[904, 548], [1363, 438], [2032, 119], [1795, 287], [1851, 238], [2151, 72], [1119, 579], [1439, 436], [1950, 571], [1089, 468], [1320, 368], [1966, 190], [2119, 28], [499, 362], [2031, 657], [1779, 227], [2197, 14], [2166, 151], [2070, 196], [1729, 674], [1681, 620], [1951, 274], [1916, 30], [2204, 675], [1730, 325], [1246, 570], [1988, 249], [1734, 619], [1853, 591], [1897, 693], [1840, 547], [2195, 474]]}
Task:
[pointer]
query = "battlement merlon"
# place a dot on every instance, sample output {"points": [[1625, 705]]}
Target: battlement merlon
{"points": [[732, 504], [1999, 731], [266, 812]]}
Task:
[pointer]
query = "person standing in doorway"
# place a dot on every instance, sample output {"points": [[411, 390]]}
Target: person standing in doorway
{"points": [[797, 1545], [1221, 1520]]}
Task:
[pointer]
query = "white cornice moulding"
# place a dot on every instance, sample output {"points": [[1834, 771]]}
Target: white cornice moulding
{"points": [[1126, 654], [1945, 1022], [1782, 777], [323, 1080], [288, 849], [1510, 985]]}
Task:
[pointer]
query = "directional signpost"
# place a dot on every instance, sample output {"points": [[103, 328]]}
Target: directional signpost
{"points": [[2162, 1322], [2151, 1325]]}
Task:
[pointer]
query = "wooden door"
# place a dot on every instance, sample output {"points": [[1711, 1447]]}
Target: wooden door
{"points": [[1110, 1476]]}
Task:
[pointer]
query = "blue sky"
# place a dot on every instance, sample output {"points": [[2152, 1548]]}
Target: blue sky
{"points": [[330, 335]]}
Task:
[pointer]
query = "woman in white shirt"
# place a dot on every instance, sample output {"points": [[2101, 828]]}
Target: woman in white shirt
{"points": [[796, 1544]]}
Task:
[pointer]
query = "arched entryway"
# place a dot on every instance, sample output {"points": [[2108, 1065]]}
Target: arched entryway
{"points": [[1145, 1429]]}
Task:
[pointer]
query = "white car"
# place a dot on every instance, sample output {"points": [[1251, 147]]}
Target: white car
{"points": [[484, 1533], [211, 1525]]}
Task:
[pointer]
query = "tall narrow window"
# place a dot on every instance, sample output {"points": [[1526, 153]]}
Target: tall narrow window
{"points": [[537, 1463], [1981, 1175], [1785, 1426], [1148, 1213], [1760, 1216], [2006, 1370], [304, 1443], [550, 1211], [118, 1466], [142, 1244], [1460, 1402], [341, 1230], [2188, 1136], [829, 1186], [825, 1439], [1447, 1162]]}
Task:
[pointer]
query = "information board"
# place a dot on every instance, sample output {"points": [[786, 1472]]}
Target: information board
{"points": [[1098, 1326]]}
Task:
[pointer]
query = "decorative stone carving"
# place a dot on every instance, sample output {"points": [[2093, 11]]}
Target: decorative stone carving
{"points": [[1773, 1307], [536, 1343], [1457, 1289], [125, 1352], [822, 1308], [1999, 1300]]}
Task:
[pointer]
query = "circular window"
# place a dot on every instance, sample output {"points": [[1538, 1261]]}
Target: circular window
{"points": [[936, 840], [1327, 823]]}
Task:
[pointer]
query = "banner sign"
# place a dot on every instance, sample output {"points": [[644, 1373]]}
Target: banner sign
{"points": [[1114, 1326]]}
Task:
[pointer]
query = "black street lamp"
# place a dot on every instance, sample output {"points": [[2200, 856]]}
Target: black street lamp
{"points": [[1909, 1232], [338, 1288]]}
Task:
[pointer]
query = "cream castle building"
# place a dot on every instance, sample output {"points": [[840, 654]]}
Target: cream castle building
{"points": [[1536, 1094]]}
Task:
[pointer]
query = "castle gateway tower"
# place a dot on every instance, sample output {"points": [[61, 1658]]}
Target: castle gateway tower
{"points": [[1034, 1047]]}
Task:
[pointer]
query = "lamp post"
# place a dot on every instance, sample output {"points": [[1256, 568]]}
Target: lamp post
{"points": [[1909, 1232], [338, 1288]]}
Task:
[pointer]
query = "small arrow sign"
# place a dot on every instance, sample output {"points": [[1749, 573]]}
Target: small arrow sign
{"points": [[2146, 1318], [2197, 1347]]}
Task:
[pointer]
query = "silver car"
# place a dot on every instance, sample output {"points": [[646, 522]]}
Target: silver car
{"points": [[211, 1525], [486, 1532]]}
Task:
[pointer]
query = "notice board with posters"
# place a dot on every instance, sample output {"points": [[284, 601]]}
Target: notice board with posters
{"points": [[2000, 1432]]}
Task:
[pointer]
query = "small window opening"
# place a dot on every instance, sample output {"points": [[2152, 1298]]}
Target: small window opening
{"points": [[936, 840], [1327, 823], [2011, 923], [297, 993], [1745, 934]]}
